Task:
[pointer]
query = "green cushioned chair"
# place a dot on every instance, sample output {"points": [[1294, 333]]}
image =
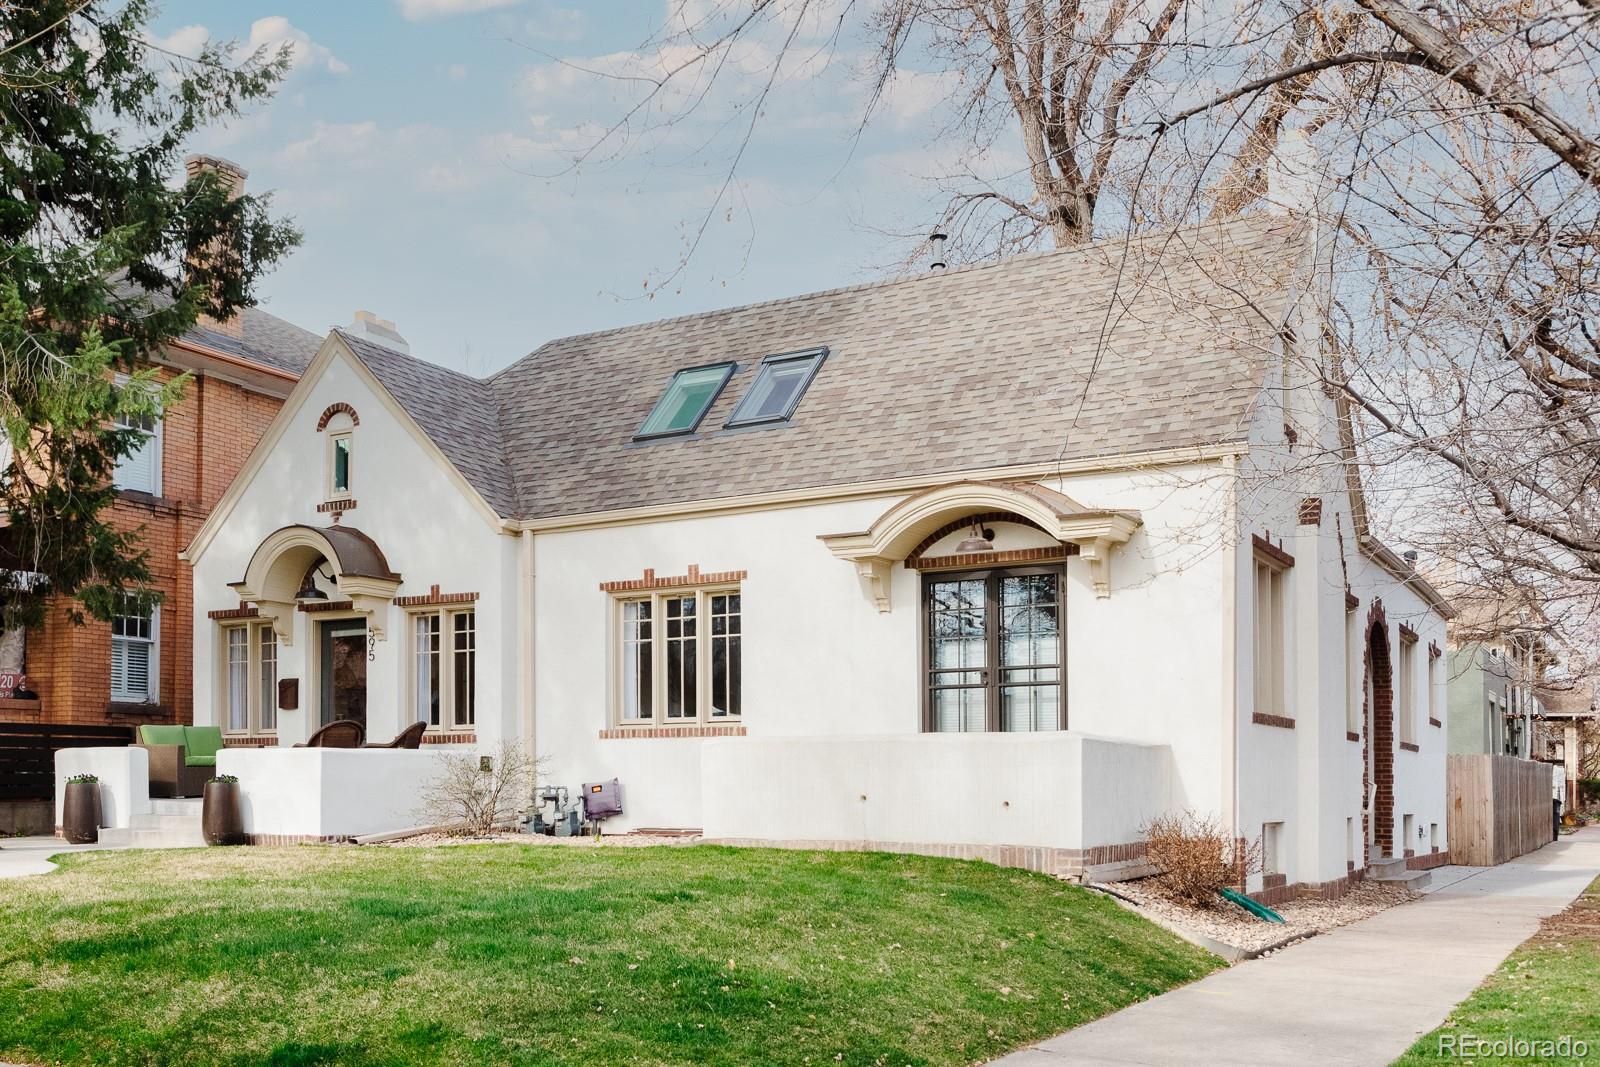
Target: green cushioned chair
{"points": [[182, 758]]}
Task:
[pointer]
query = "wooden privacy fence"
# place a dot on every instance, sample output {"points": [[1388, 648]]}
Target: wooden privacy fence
{"points": [[28, 754], [1499, 808]]}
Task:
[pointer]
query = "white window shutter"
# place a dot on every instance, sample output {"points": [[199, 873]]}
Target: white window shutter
{"points": [[138, 471]]}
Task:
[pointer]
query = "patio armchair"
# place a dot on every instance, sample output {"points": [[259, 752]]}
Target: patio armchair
{"points": [[410, 737], [340, 733], [182, 758]]}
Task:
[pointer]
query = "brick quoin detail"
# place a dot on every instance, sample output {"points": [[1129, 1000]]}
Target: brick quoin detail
{"points": [[341, 408], [1379, 748], [682, 581]]}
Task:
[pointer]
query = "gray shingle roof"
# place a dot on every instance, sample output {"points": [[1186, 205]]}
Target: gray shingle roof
{"points": [[1091, 352], [266, 339]]}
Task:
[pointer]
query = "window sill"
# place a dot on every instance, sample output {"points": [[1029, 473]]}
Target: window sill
{"points": [[450, 737], [1351, 735], [26, 706], [137, 710], [1282, 722], [249, 740], [1409, 746], [722, 730], [1435, 722]]}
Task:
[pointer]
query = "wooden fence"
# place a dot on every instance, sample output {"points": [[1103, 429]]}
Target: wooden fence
{"points": [[28, 754], [1499, 808]]}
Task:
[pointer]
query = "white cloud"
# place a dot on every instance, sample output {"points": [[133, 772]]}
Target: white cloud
{"points": [[276, 32], [417, 10], [184, 41], [457, 72]]}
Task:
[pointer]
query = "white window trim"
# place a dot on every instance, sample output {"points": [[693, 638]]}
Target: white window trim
{"points": [[658, 720], [449, 716], [335, 493], [153, 446], [1406, 690], [1271, 688], [1353, 684], [152, 695], [252, 689]]}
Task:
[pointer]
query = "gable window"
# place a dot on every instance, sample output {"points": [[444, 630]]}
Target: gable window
{"points": [[339, 455], [252, 678], [134, 668], [140, 470], [680, 657], [444, 665], [1269, 621], [993, 651], [686, 401], [779, 384]]}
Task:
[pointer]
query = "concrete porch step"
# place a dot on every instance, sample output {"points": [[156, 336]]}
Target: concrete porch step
{"points": [[1385, 869], [1416, 881], [138, 837], [179, 806]]}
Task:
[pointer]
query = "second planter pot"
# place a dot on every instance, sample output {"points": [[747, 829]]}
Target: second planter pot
{"points": [[221, 819], [80, 813]]}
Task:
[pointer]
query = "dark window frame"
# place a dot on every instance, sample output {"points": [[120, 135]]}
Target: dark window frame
{"points": [[992, 669], [728, 368], [817, 356]]}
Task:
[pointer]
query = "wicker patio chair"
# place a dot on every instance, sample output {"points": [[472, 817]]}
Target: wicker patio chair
{"points": [[340, 733], [410, 737]]}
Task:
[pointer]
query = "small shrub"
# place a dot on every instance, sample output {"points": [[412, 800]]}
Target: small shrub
{"points": [[1196, 857], [225, 779], [473, 795], [83, 779]]}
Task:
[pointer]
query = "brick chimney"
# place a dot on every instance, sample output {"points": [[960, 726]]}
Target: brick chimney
{"points": [[232, 177]]}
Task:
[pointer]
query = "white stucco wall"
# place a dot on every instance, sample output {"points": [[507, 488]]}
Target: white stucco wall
{"points": [[124, 774], [330, 792]]}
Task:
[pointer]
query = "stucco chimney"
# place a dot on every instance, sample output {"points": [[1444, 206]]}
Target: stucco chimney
{"points": [[369, 327], [232, 177]]}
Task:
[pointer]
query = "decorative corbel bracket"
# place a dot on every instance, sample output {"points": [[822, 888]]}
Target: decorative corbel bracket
{"points": [[1095, 536], [874, 572], [281, 615]]}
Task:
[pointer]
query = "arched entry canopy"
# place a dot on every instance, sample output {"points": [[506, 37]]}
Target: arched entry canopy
{"points": [[360, 573], [898, 531]]}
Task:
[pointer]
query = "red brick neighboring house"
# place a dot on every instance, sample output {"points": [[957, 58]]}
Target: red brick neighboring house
{"points": [[141, 669]]}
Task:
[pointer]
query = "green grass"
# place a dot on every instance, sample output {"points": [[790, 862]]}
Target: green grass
{"points": [[515, 954], [1547, 988]]}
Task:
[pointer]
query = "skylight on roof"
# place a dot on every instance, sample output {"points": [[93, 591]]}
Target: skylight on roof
{"points": [[779, 385], [686, 400]]}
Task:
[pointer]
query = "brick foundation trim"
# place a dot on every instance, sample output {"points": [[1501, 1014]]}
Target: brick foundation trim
{"points": [[1282, 722], [1273, 895], [433, 596], [296, 839], [459, 737], [614, 733], [1069, 863], [692, 580], [1428, 862], [249, 742]]}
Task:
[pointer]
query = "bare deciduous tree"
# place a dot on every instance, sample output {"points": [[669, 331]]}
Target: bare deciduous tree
{"points": [[474, 795]]}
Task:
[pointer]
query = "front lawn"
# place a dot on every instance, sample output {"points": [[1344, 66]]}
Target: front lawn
{"points": [[517, 954], [1547, 988]]}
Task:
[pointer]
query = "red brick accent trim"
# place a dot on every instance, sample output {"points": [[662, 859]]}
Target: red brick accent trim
{"points": [[338, 507], [444, 737], [326, 605], [1274, 881], [296, 839], [728, 730], [241, 612], [691, 580], [1311, 511], [340, 408], [1407, 634], [1261, 718], [1272, 552], [1351, 601], [1351, 735], [1434, 722], [1433, 650], [1407, 746], [964, 523], [249, 742], [1377, 752], [1429, 861], [1048, 554], [434, 597], [138, 711]]}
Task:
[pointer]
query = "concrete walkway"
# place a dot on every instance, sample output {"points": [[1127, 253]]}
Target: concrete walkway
{"points": [[21, 856], [1361, 994]]}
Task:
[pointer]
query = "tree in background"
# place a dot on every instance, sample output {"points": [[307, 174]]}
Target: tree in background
{"points": [[103, 259]]}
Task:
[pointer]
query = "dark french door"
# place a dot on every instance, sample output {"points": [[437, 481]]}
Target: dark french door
{"points": [[993, 650], [343, 664]]}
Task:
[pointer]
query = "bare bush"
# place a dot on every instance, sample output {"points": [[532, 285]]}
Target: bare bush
{"points": [[1197, 857], [473, 795]]}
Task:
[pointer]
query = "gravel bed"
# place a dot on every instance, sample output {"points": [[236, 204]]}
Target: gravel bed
{"points": [[1232, 925], [435, 840]]}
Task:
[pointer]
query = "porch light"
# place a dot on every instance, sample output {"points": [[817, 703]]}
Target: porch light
{"points": [[979, 540], [308, 591]]}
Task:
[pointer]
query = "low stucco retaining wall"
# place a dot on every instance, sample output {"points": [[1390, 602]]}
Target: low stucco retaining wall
{"points": [[1055, 802], [124, 774], [300, 794]]}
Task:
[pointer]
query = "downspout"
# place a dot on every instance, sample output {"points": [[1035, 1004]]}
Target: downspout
{"points": [[1230, 657], [525, 648]]}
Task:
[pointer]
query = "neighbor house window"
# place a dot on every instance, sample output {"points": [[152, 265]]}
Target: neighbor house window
{"points": [[779, 384], [686, 400], [1269, 620], [1406, 695], [339, 449], [134, 673], [993, 651], [1352, 673], [251, 667], [140, 470], [1433, 690], [444, 665], [680, 657]]}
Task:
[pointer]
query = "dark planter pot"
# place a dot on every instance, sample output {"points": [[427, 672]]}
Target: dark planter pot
{"points": [[221, 819], [80, 813]]}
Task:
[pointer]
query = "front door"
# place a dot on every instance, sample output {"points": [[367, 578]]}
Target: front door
{"points": [[343, 663], [994, 651]]}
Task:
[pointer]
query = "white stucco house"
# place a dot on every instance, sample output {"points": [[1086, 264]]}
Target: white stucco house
{"points": [[999, 561]]}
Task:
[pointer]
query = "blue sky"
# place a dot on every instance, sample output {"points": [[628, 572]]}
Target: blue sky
{"points": [[420, 146]]}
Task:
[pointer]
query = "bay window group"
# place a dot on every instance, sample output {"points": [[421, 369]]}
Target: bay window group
{"points": [[680, 658]]}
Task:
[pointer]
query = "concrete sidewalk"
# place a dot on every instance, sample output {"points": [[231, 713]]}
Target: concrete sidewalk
{"points": [[21, 856], [1361, 994]]}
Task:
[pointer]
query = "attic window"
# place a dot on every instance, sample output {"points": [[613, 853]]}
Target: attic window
{"points": [[686, 401], [779, 385]]}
